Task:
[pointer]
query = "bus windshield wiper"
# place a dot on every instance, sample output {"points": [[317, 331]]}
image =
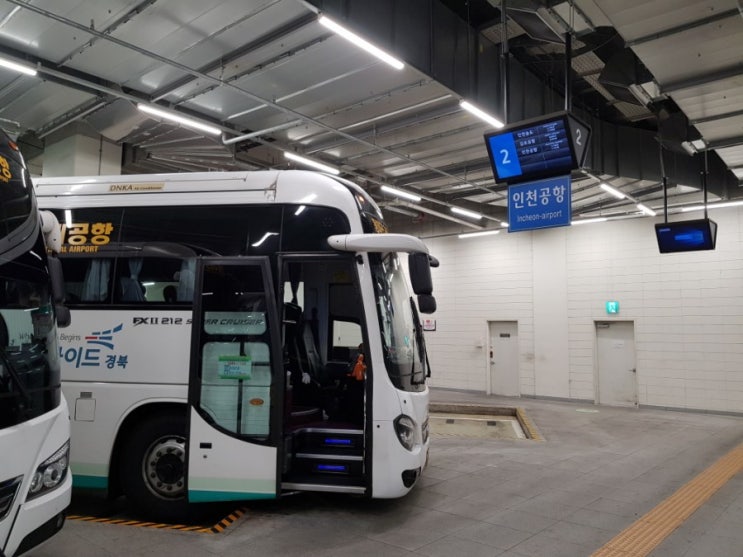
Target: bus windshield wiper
{"points": [[421, 345]]}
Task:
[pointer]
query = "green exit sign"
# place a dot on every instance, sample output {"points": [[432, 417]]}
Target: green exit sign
{"points": [[612, 307]]}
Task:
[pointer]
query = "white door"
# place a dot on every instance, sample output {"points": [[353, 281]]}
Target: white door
{"points": [[617, 377], [237, 382], [503, 358]]}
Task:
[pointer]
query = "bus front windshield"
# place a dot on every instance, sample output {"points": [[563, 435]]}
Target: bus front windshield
{"points": [[402, 336], [29, 359]]}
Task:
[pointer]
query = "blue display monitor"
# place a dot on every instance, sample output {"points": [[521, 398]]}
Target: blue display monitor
{"points": [[544, 147], [686, 235]]}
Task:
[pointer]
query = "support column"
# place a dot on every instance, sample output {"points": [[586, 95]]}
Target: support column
{"points": [[77, 150]]}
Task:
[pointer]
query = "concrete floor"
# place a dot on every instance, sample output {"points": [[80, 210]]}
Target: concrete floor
{"points": [[596, 472]]}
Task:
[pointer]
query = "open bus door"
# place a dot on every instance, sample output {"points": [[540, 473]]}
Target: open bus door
{"points": [[237, 382]]}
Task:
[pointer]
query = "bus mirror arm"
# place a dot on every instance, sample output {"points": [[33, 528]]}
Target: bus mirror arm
{"points": [[58, 291]]}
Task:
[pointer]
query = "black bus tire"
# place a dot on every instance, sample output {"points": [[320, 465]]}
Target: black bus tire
{"points": [[153, 469]]}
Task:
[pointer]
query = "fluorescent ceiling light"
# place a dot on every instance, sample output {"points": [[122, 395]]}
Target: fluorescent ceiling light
{"points": [[482, 115], [615, 192], [647, 210], [504, 224], [188, 122], [361, 43], [476, 234], [68, 218], [699, 144], [689, 148], [712, 206], [588, 221], [466, 213], [314, 164], [17, 67], [266, 236], [400, 193]]}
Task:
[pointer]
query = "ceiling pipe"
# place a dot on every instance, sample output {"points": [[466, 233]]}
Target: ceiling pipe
{"points": [[505, 62], [399, 210], [251, 135], [440, 215], [67, 121]]}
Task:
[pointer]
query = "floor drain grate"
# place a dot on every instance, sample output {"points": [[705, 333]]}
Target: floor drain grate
{"points": [[482, 426]]}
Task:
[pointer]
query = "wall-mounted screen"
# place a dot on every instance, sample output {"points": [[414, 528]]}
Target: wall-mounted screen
{"points": [[548, 146], [687, 235]]}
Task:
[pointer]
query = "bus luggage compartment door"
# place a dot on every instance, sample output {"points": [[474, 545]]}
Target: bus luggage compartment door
{"points": [[236, 382]]}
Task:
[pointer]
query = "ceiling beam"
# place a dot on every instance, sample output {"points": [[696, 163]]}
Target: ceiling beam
{"points": [[236, 54], [727, 142], [714, 117], [702, 79], [685, 27], [439, 214]]}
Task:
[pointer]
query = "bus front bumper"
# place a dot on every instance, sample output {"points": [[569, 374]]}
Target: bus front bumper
{"points": [[33, 525]]}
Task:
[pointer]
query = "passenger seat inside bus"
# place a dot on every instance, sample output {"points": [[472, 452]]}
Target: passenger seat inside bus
{"points": [[304, 362]]}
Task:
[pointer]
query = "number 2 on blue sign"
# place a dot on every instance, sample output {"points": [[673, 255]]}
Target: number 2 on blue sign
{"points": [[503, 149]]}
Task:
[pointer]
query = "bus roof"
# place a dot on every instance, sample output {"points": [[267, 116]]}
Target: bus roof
{"points": [[300, 187]]}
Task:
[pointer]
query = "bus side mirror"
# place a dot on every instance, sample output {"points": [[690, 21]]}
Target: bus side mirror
{"points": [[57, 279], [63, 315], [58, 291], [426, 303], [419, 268]]}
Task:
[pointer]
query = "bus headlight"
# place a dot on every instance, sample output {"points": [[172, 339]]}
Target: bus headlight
{"points": [[405, 429], [50, 473]]}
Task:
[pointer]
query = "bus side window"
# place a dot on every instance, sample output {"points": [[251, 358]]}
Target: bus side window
{"points": [[345, 341], [131, 290], [86, 280], [154, 280], [186, 276]]}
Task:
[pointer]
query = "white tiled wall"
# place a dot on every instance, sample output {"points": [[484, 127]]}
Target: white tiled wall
{"points": [[687, 309]]}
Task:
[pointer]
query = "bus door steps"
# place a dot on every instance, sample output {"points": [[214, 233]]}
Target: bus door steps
{"points": [[328, 465], [338, 485], [327, 456], [328, 441]]}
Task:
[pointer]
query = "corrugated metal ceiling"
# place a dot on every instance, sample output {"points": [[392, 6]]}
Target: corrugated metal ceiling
{"points": [[694, 49]]}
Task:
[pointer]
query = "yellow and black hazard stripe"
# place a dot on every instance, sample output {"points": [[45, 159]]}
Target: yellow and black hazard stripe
{"points": [[217, 528], [223, 524]]}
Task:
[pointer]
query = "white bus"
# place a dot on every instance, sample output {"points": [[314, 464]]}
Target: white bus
{"points": [[218, 320], [35, 485]]}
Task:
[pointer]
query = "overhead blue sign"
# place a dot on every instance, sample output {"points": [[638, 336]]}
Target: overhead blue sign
{"points": [[541, 204]]}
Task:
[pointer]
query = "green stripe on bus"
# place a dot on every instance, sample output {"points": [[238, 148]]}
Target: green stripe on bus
{"points": [[212, 496], [89, 482]]}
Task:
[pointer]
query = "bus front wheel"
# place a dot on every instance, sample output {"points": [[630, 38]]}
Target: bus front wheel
{"points": [[153, 468]]}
